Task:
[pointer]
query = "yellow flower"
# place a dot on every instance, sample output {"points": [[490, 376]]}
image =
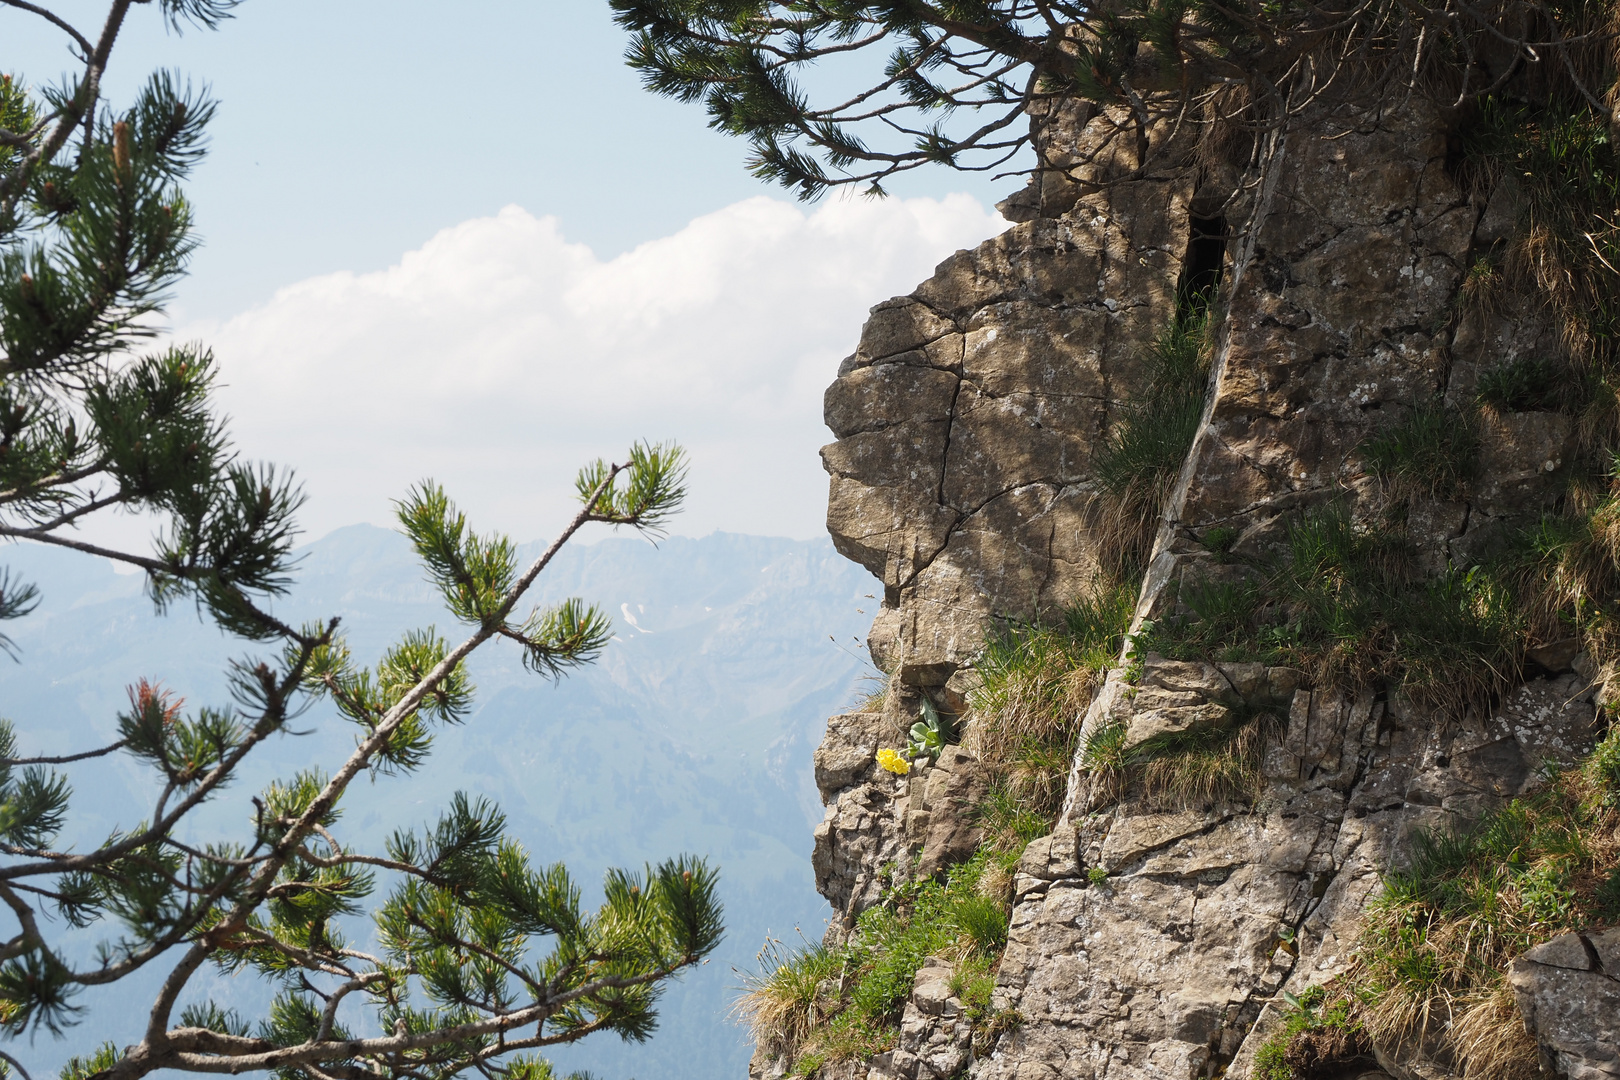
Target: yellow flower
{"points": [[893, 762]]}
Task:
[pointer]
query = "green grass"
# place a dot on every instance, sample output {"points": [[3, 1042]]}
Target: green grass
{"points": [[1435, 945], [1527, 384], [1342, 603], [1566, 250], [818, 1006], [1007, 821], [1203, 767], [1433, 450], [1144, 454], [1603, 770], [1036, 682], [1226, 621], [973, 983], [1316, 1034]]}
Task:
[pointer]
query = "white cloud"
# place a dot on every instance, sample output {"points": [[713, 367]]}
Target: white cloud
{"points": [[498, 357]]}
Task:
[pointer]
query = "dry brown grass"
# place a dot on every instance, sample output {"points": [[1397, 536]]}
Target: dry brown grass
{"points": [[1432, 958], [997, 880], [1483, 288], [1039, 702], [1224, 766], [789, 997], [873, 692], [1489, 1040]]}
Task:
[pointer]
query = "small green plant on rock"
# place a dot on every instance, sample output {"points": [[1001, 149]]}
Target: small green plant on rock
{"points": [[1432, 450], [931, 733], [1219, 541], [1317, 1035], [818, 1006]]}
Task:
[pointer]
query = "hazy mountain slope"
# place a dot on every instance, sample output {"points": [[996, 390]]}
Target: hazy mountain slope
{"points": [[693, 733]]}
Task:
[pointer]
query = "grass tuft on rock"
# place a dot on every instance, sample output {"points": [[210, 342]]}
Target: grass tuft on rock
{"points": [[818, 1006], [1036, 682], [1187, 769], [1567, 572], [1139, 464], [1528, 384], [1432, 450], [1344, 604], [1435, 945]]}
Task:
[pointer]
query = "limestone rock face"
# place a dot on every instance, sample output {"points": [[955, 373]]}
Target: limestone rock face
{"points": [[969, 415], [1168, 965], [1342, 316], [941, 827], [1149, 941], [1569, 992], [866, 811]]}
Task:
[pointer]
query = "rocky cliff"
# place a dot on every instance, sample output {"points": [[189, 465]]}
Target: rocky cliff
{"points": [[1176, 937]]}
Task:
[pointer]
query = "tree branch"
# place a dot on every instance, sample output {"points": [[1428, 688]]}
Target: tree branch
{"points": [[67, 759], [84, 100], [84, 43]]}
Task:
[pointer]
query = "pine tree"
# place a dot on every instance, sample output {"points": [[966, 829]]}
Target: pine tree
{"points": [[853, 92], [474, 954]]}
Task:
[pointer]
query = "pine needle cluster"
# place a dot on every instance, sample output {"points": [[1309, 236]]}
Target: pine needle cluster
{"points": [[453, 948], [956, 82]]}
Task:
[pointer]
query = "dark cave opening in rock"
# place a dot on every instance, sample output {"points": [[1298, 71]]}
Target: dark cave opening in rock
{"points": [[1204, 262]]}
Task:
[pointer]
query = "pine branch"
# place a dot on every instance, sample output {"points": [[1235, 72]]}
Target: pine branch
{"points": [[83, 104]]}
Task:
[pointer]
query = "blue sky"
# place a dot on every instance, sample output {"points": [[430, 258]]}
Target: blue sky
{"points": [[352, 133]]}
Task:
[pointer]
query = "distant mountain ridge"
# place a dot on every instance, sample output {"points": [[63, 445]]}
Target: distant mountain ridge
{"points": [[692, 733]]}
